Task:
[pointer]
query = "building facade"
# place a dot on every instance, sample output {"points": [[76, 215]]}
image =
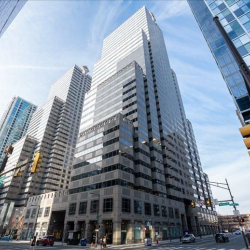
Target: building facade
{"points": [[230, 223], [233, 15], [14, 123], [8, 11], [132, 177], [45, 215], [55, 128]]}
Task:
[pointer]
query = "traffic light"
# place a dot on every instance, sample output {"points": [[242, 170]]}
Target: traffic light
{"points": [[241, 219], [192, 204], [208, 202], [36, 163], [17, 173]]}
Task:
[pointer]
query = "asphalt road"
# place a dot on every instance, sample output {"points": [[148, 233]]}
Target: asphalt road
{"points": [[236, 243]]}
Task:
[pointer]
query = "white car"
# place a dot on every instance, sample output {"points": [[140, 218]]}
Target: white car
{"points": [[188, 238]]}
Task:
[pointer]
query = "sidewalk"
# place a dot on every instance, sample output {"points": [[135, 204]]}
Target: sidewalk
{"points": [[163, 242]]}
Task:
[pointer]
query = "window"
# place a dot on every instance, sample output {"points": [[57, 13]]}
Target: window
{"points": [[108, 205], [46, 212], [40, 212], [171, 212], [33, 214], [27, 214], [94, 206], [83, 207], [164, 211], [156, 210], [137, 207], [147, 207], [126, 208], [176, 212], [72, 208]]}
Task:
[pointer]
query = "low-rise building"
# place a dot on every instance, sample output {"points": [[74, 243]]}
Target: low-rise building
{"points": [[44, 215], [230, 223]]}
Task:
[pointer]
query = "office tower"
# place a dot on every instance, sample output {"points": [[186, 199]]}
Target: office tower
{"points": [[8, 11], [131, 177], [235, 22], [54, 128], [14, 123], [235, 19]]}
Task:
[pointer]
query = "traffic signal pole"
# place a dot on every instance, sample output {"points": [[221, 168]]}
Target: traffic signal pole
{"points": [[226, 186], [232, 198]]}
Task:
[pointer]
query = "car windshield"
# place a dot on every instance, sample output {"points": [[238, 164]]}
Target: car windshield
{"points": [[187, 235]]}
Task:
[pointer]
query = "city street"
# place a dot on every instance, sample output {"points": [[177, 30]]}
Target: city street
{"points": [[236, 243]]}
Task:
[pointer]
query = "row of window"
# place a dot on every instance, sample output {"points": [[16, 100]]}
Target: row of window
{"points": [[126, 208], [32, 214], [94, 207]]}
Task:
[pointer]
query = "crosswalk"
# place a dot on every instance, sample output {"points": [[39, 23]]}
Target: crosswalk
{"points": [[192, 247]]}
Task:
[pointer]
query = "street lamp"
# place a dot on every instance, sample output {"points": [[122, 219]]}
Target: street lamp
{"points": [[97, 218]]}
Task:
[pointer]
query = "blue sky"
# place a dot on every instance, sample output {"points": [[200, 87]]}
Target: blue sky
{"points": [[48, 37]]}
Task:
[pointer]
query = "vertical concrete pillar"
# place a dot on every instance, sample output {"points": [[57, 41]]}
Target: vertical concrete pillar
{"points": [[101, 230], [88, 231], [130, 233], [116, 232]]}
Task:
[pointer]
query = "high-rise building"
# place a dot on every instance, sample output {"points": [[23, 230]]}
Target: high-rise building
{"points": [[8, 11], [133, 176], [14, 123], [54, 128], [234, 17]]}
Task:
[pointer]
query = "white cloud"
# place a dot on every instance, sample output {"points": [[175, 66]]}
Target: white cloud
{"points": [[166, 9], [29, 67]]}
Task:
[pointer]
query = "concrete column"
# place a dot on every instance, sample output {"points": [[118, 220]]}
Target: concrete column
{"points": [[130, 234], [101, 230], [116, 232], [88, 232]]}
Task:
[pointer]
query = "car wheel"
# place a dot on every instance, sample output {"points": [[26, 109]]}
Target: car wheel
{"points": [[37, 243], [44, 244], [52, 245], [194, 240]]}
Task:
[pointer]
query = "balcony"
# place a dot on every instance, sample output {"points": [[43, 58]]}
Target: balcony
{"points": [[247, 142], [245, 131]]}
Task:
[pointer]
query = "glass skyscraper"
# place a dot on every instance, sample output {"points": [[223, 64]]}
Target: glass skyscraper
{"points": [[234, 16], [15, 122], [8, 11], [134, 166]]}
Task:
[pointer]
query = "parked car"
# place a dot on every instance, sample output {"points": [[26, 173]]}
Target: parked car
{"points": [[221, 237], [46, 240], [188, 238]]}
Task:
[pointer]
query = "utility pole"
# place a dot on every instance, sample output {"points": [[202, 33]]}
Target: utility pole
{"points": [[222, 185], [232, 198]]}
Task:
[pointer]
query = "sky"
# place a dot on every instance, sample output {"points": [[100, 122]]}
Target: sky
{"points": [[49, 37]]}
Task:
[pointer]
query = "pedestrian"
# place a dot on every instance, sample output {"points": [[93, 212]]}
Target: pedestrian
{"points": [[101, 243], [104, 240], [32, 243]]}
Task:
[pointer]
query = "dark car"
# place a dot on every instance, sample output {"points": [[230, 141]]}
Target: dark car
{"points": [[188, 238], [46, 240], [221, 237]]}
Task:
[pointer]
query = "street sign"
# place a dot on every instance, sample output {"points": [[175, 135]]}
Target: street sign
{"points": [[215, 202], [237, 213], [2, 178], [234, 204], [224, 204]]}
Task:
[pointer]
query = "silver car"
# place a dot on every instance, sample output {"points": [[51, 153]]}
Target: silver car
{"points": [[188, 238]]}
